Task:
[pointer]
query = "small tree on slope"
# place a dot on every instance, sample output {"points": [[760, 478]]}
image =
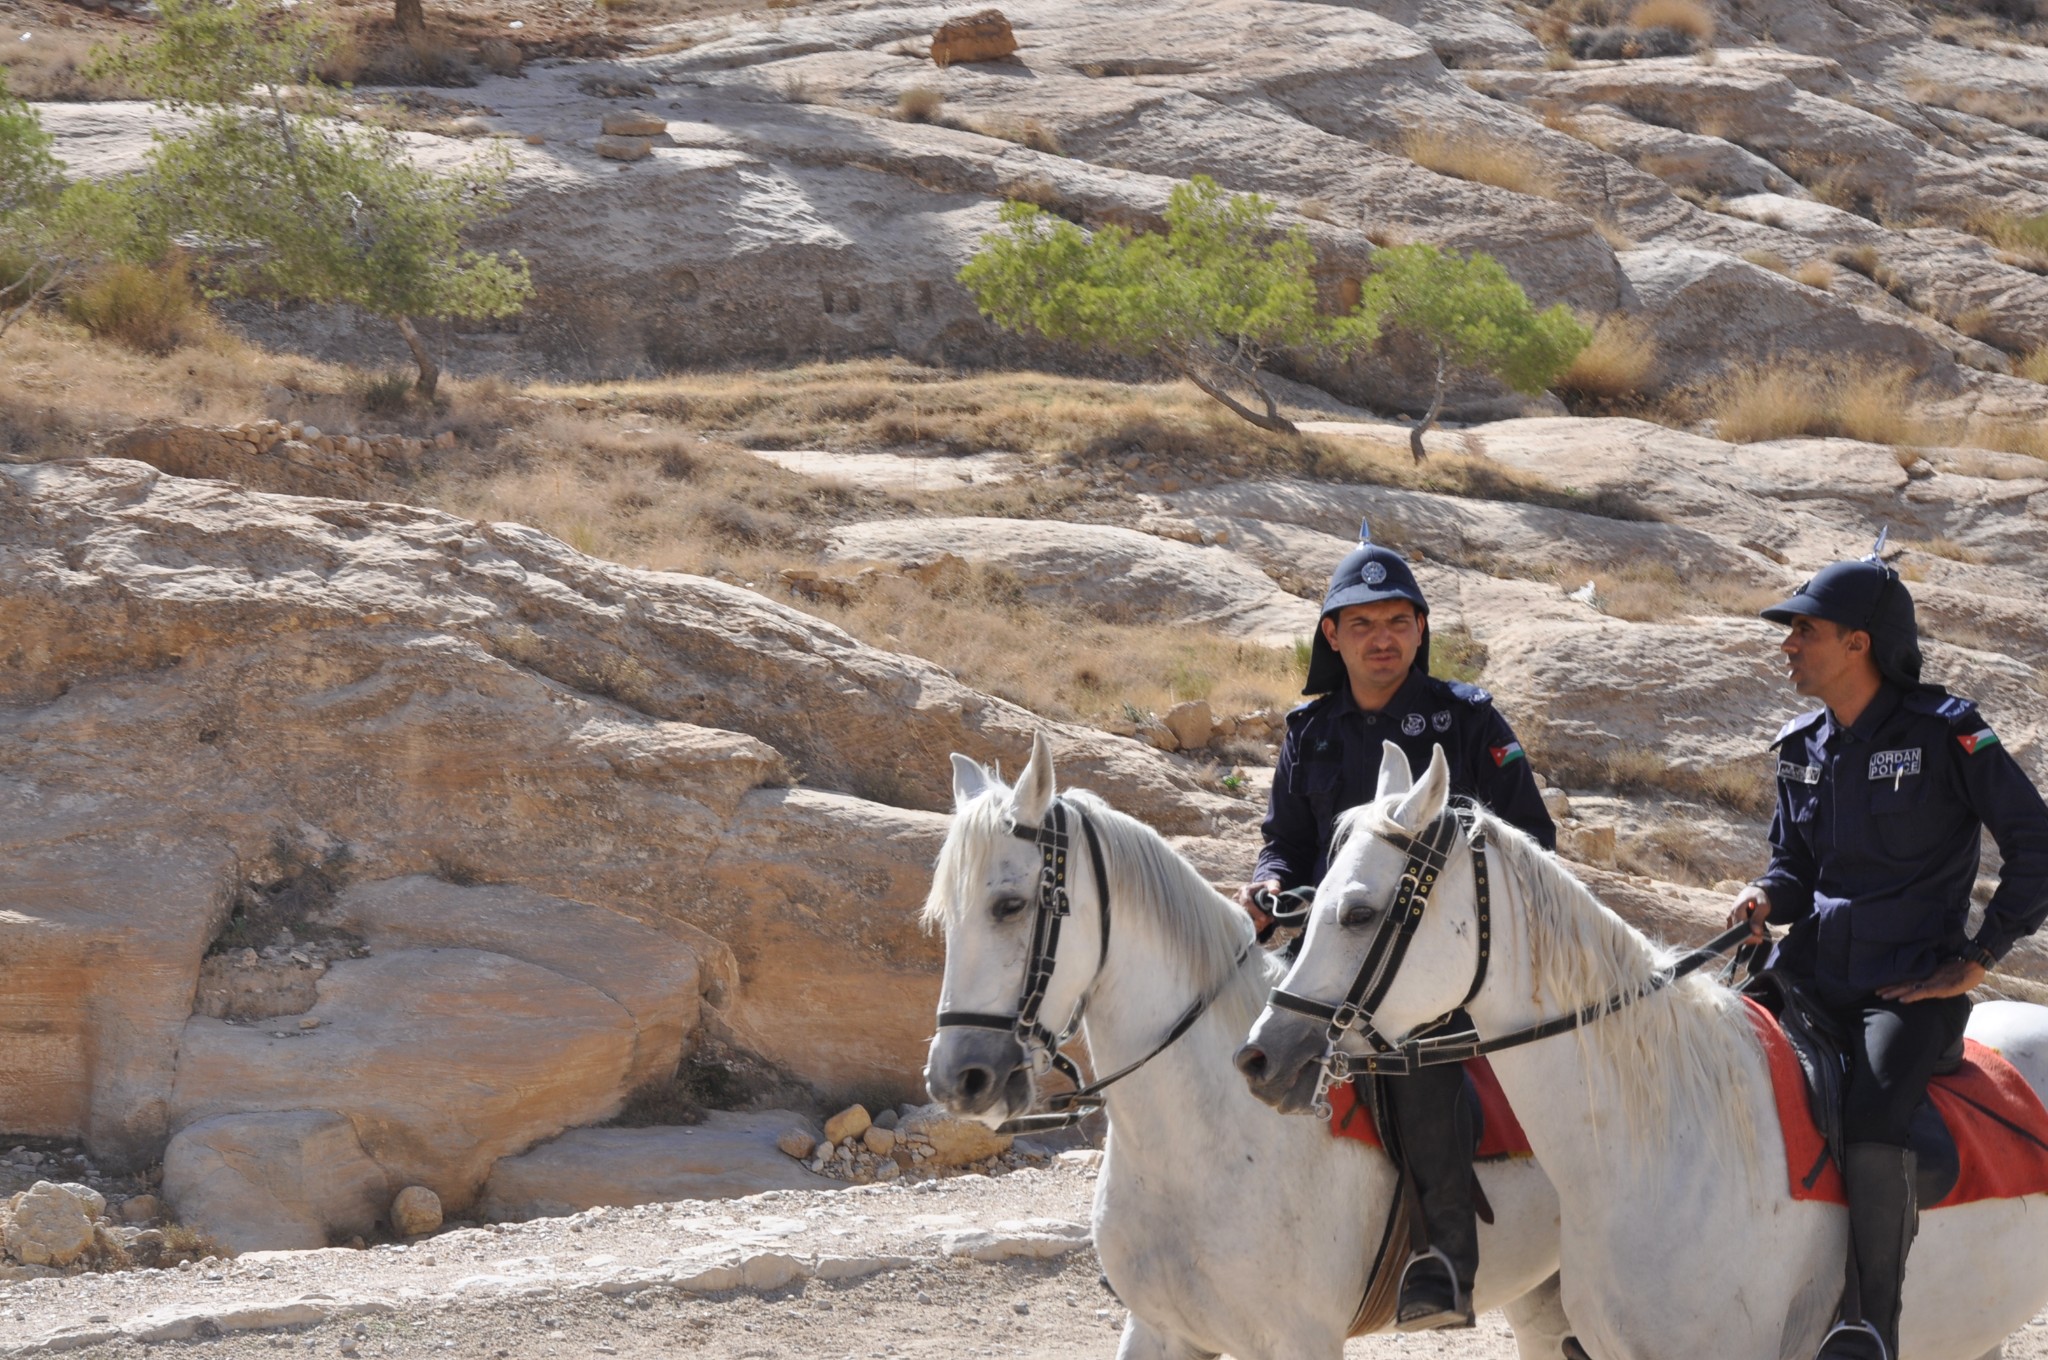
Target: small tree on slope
{"points": [[49, 229], [1213, 297], [1473, 316], [279, 194]]}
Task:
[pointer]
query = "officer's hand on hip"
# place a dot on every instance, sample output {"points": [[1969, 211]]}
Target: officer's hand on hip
{"points": [[1951, 979], [1246, 897], [1752, 906]]}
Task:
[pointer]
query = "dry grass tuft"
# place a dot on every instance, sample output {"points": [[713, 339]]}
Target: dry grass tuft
{"points": [[1747, 787], [1783, 400], [1689, 17], [1615, 366], [1480, 158], [1768, 259], [1317, 208], [1947, 547], [1816, 273], [51, 65], [919, 104], [1617, 240], [2025, 238], [1025, 132], [2033, 366]]}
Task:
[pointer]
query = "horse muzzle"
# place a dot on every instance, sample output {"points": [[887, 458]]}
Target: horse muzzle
{"points": [[979, 1074], [1282, 1059]]}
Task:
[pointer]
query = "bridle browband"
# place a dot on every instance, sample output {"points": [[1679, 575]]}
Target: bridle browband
{"points": [[1041, 1045], [1427, 855]]}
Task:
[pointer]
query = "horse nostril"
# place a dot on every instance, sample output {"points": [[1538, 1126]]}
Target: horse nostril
{"points": [[976, 1082], [1251, 1060]]}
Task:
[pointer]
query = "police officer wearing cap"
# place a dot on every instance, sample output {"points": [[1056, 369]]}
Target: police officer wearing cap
{"points": [[1369, 661], [1882, 795]]}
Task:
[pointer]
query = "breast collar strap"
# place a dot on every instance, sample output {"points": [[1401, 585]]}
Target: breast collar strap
{"points": [[1427, 855], [1041, 1045]]}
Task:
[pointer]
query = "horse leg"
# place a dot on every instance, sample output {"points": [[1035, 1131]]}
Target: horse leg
{"points": [[1144, 1342], [1539, 1322]]}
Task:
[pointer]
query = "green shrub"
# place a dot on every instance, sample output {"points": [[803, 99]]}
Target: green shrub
{"points": [[151, 310]]}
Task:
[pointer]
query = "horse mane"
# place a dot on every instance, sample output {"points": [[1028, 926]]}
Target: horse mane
{"points": [[1151, 887], [1674, 1061]]}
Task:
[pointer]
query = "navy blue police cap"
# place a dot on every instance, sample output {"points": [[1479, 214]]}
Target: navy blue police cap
{"points": [[1868, 595], [1367, 575]]}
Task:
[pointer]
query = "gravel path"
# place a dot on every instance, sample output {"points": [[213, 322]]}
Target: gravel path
{"points": [[879, 1271]]}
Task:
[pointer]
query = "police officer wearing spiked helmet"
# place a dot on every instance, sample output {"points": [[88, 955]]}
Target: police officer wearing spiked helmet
{"points": [[1883, 793], [1369, 662]]}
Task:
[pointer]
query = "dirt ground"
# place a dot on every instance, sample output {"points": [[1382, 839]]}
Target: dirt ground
{"points": [[632, 1283]]}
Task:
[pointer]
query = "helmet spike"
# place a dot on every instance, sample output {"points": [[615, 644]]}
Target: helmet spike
{"points": [[1877, 548], [1365, 531]]}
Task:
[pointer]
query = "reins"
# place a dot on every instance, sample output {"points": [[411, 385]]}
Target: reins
{"points": [[1427, 855], [1041, 1045]]}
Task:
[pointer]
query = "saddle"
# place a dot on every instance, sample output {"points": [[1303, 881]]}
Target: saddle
{"points": [[1819, 1045]]}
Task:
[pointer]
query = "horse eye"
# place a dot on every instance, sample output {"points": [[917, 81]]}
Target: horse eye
{"points": [[1006, 907], [1357, 914]]}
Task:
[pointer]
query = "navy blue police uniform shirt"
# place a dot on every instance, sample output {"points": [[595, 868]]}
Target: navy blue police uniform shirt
{"points": [[1330, 763], [1874, 846]]}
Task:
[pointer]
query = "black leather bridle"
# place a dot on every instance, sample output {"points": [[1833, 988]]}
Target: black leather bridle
{"points": [[1427, 855], [1042, 1045]]}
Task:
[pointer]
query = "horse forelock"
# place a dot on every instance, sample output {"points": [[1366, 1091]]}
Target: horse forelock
{"points": [[1674, 1060], [979, 826]]}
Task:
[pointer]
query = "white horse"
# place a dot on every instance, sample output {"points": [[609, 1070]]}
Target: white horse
{"points": [[1680, 1236], [1223, 1226]]}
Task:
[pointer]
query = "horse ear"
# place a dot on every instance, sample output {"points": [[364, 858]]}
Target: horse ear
{"points": [[1395, 774], [1425, 802], [969, 779], [1034, 786]]}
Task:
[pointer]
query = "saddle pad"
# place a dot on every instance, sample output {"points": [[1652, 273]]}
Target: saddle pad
{"points": [[1500, 1132], [1983, 1102]]}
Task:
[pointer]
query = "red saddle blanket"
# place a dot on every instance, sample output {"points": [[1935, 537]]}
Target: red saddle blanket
{"points": [[1983, 1102], [1500, 1132]]}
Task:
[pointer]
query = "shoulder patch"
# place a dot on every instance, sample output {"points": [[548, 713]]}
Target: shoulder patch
{"points": [[1301, 713], [1951, 708], [1802, 723], [1471, 694], [1973, 742]]}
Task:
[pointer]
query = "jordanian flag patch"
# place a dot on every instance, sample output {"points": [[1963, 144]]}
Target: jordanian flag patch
{"points": [[1505, 755], [1973, 743]]}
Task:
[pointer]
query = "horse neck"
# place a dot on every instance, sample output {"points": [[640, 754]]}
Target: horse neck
{"points": [[1565, 1090]]}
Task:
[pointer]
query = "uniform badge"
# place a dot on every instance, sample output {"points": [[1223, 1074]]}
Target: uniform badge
{"points": [[1893, 765], [1374, 573], [1798, 774], [1413, 724], [1441, 721], [1508, 754], [1977, 741]]}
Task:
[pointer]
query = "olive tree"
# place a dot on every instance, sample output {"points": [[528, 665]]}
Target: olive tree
{"points": [[277, 192], [49, 228], [1473, 316], [1214, 296]]}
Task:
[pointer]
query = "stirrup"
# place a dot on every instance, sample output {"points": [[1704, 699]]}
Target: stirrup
{"points": [[1852, 1341], [1431, 1310]]}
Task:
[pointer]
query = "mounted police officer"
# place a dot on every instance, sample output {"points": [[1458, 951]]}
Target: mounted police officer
{"points": [[1882, 796], [1369, 661]]}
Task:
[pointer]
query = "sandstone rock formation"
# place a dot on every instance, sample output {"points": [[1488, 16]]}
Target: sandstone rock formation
{"points": [[984, 36], [288, 1180]]}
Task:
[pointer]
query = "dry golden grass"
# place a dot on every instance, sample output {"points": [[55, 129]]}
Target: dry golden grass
{"points": [[1613, 235], [1768, 259], [1617, 363], [1946, 547], [919, 104], [2024, 238], [1025, 132], [1816, 273], [1566, 761], [1787, 401], [2033, 366], [1480, 158], [1689, 17], [51, 66], [150, 310]]}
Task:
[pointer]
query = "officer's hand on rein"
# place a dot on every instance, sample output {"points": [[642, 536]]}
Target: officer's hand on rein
{"points": [[1951, 979], [1752, 906], [1247, 897]]}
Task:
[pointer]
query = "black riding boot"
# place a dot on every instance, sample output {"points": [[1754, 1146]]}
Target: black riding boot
{"points": [[1435, 1128], [1882, 1220]]}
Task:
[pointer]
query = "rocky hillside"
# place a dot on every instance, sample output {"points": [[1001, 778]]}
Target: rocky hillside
{"points": [[358, 836]]}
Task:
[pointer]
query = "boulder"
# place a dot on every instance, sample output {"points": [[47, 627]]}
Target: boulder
{"points": [[879, 1141], [444, 1060], [798, 1143], [275, 1181], [982, 36], [634, 123], [851, 1122], [51, 1225], [623, 148], [649, 968], [416, 1212], [726, 1157], [954, 1141], [1190, 723]]}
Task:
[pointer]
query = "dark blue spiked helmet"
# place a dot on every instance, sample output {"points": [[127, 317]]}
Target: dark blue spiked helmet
{"points": [[1864, 594], [1367, 575]]}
